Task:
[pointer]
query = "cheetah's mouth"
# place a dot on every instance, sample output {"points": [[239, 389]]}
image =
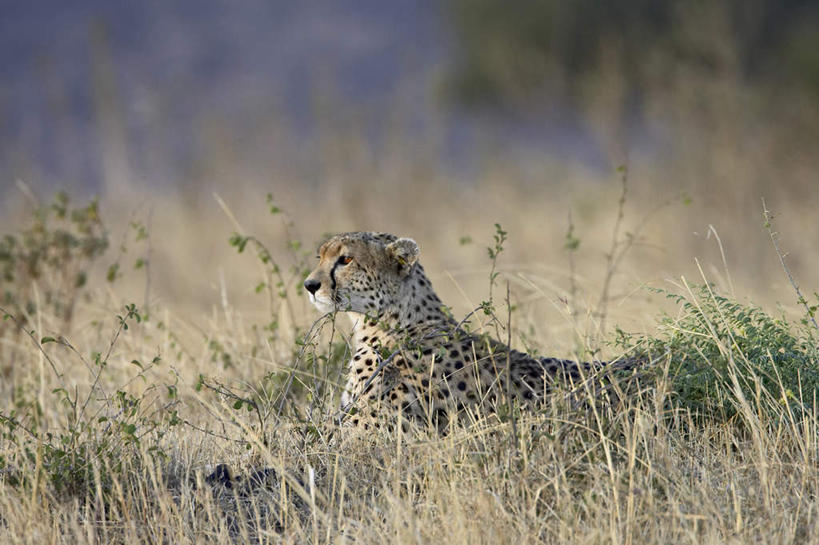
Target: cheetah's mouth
{"points": [[323, 304]]}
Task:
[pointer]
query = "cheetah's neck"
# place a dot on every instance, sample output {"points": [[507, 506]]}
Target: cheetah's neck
{"points": [[416, 311]]}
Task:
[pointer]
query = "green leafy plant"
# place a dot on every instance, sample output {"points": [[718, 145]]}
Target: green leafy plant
{"points": [[137, 234], [305, 391], [721, 353], [277, 279], [495, 251], [100, 433], [45, 266]]}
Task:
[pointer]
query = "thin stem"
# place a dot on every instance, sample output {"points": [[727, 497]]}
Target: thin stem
{"points": [[611, 257], [508, 367], [768, 215]]}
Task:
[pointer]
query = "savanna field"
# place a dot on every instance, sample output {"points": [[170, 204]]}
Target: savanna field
{"points": [[154, 343], [610, 181]]}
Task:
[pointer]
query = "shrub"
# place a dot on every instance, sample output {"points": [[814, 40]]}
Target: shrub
{"points": [[721, 354], [54, 252]]}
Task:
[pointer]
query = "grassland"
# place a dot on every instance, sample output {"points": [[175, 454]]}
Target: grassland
{"points": [[121, 394]]}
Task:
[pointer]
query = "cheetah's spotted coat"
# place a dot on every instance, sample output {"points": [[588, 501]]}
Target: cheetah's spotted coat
{"points": [[409, 354]]}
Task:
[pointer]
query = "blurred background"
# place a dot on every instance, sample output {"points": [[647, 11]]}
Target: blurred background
{"points": [[433, 120]]}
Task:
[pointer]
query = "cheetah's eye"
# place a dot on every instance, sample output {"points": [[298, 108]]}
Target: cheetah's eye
{"points": [[345, 260]]}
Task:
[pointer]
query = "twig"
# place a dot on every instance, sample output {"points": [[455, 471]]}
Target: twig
{"points": [[571, 245], [307, 339], [146, 304], [213, 434], [508, 367], [103, 362], [768, 215], [10, 316], [611, 258], [269, 265], [619, 248]]}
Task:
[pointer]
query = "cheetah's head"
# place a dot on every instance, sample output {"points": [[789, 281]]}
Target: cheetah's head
{"points": [[361, 272]]}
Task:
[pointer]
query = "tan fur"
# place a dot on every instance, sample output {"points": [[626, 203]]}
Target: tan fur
{"points": [[409, 355]]}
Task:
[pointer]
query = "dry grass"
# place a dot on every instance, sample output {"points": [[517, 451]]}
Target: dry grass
{"points": [[648, 472], [641, 474]]}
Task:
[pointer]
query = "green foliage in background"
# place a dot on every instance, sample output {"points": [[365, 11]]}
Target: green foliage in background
{"points": [[511, 52], [54, 253]]}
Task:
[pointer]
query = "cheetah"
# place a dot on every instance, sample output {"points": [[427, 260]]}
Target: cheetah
{"points": [[409, 355]]}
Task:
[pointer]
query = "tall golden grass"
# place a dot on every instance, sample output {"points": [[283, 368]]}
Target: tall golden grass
{"points": [[642, 474]]}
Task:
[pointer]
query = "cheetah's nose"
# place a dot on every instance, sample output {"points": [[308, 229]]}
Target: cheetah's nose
{"points": [[312, 285]]}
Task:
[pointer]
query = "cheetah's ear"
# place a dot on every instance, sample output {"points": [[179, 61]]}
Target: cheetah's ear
{"points": [[405, 251]]}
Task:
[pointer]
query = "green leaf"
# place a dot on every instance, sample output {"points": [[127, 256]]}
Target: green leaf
{"points": [[45, 340], [112, 272], [239, 242]]}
